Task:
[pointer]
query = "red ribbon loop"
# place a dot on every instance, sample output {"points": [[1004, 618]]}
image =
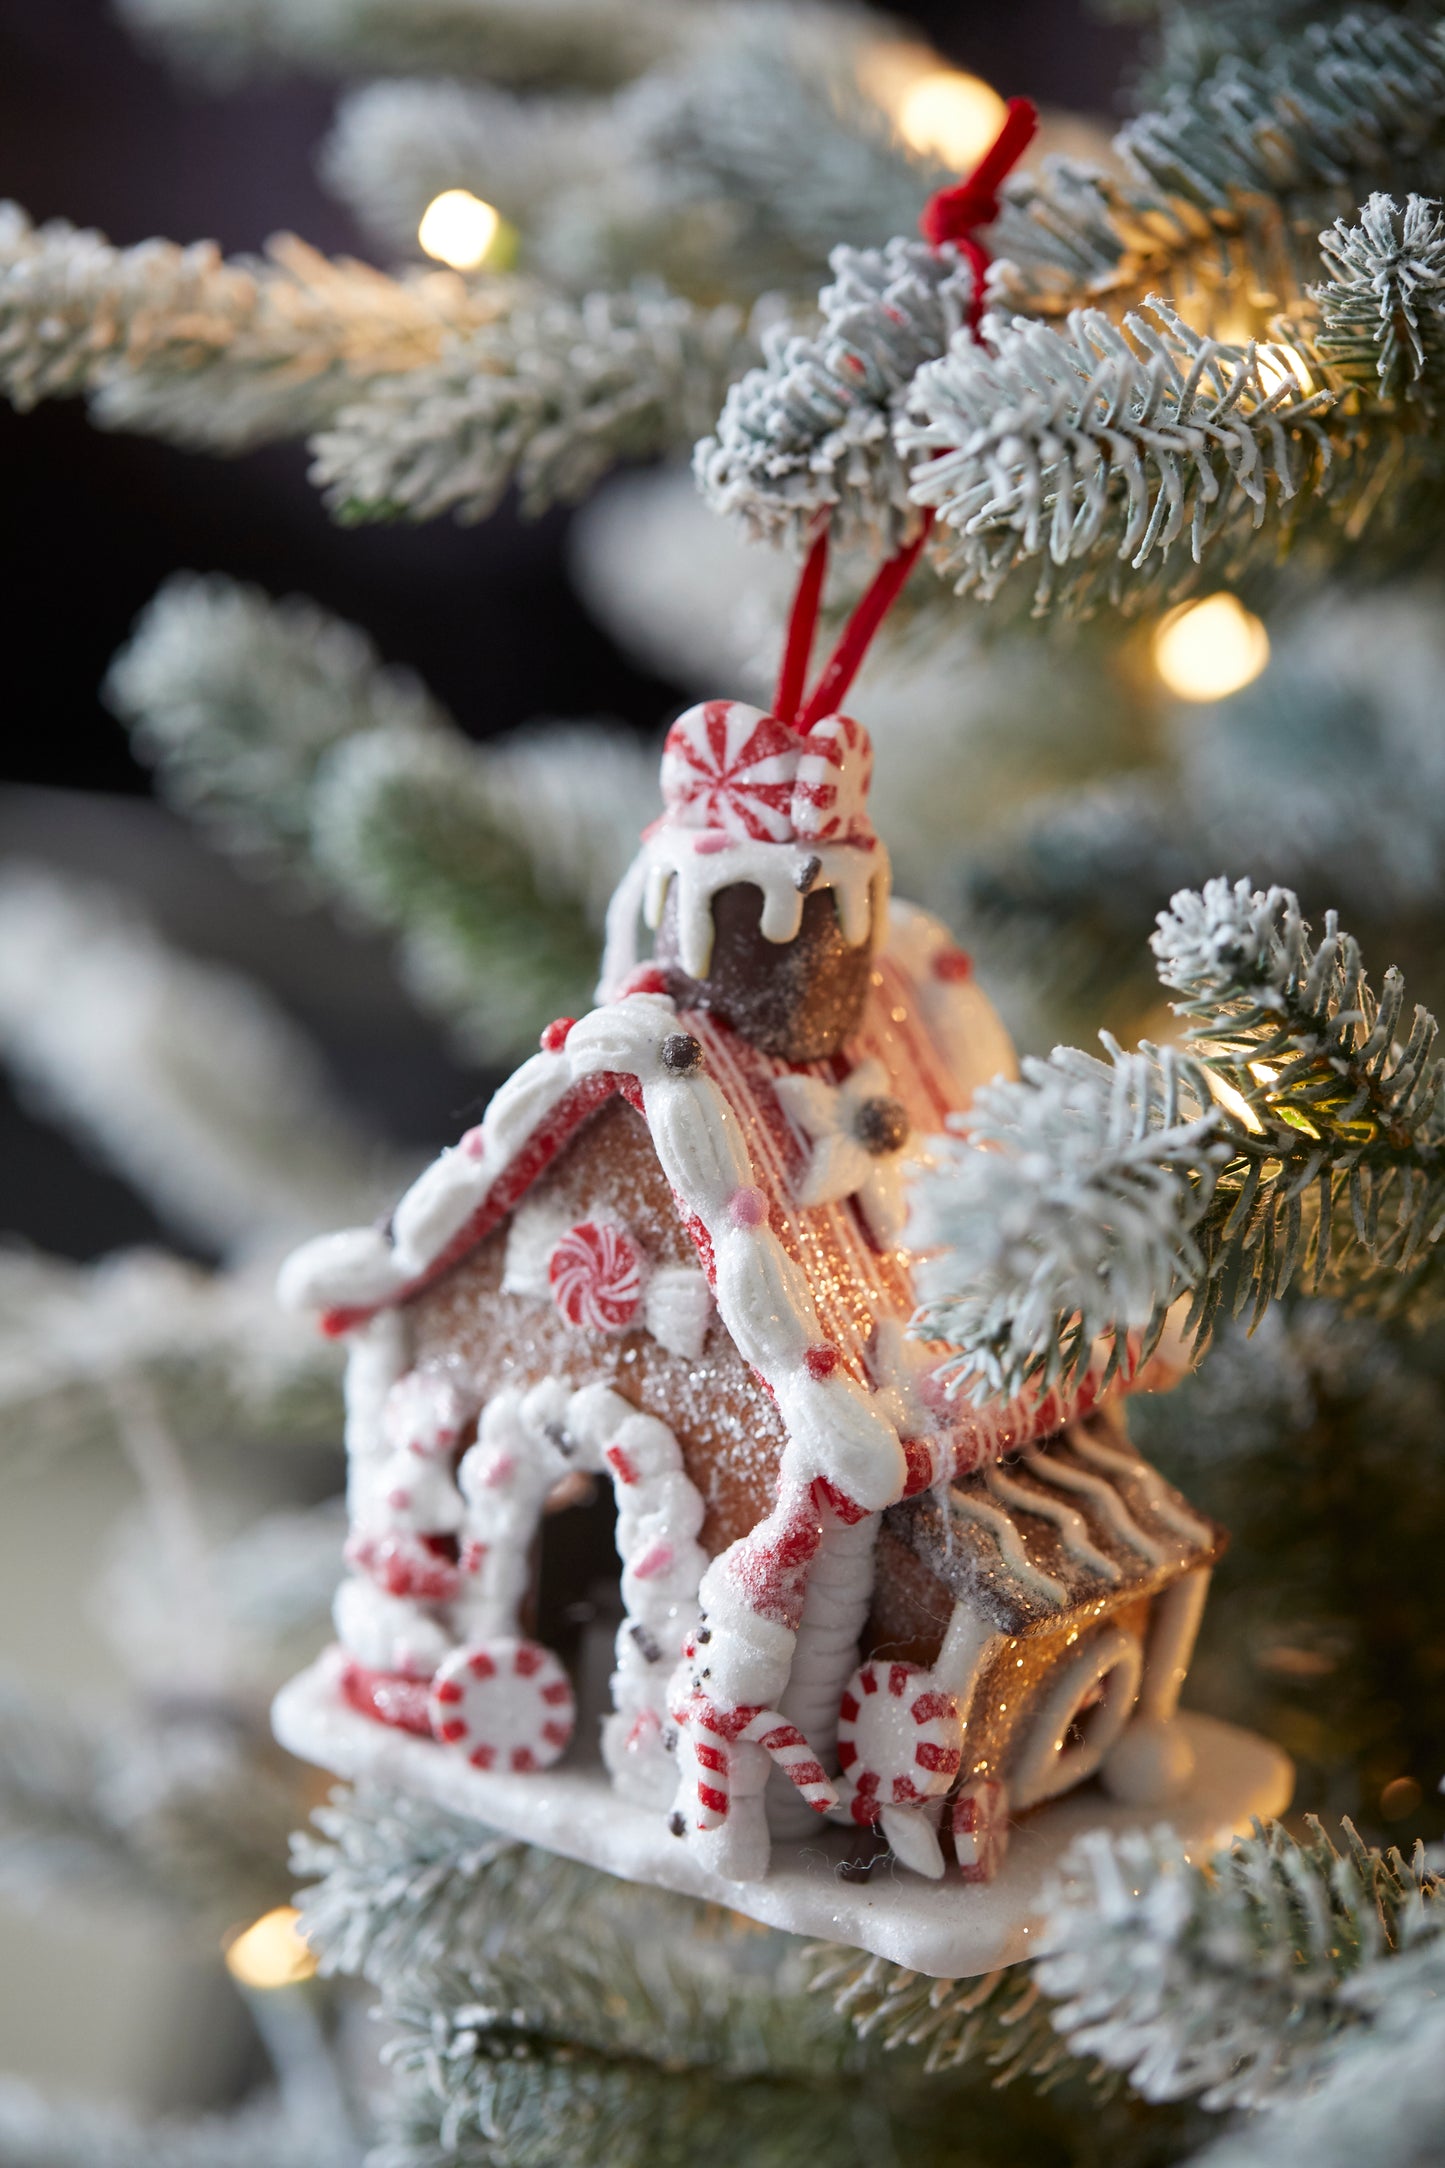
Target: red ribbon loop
{"points": [[954, 213]]}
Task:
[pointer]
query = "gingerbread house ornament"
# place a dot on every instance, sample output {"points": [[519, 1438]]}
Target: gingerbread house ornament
{"points": [[654, 1310]]}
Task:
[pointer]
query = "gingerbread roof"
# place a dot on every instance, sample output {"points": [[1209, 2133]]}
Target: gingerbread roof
{"points": [[1074, 1520]]}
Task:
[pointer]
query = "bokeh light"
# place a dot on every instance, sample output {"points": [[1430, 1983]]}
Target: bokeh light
{"points": [[457, 228], [949, 114], [271, 1951], [1207, 650]]}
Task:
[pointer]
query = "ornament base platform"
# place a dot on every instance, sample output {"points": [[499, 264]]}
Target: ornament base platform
{"points": [[950, 1929]]}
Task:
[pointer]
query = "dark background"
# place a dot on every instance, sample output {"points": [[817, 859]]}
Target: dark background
{"points": [[95, 131]]}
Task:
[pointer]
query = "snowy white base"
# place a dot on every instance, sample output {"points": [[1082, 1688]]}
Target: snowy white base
{"points": [[947, 1928]]}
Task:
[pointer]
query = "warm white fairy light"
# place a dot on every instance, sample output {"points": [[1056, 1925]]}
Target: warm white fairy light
{"points": [[457, 228], [271, 1951], [1207, 650], [952, 115]]}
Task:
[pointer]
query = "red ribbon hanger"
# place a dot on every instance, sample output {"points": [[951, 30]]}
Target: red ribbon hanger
{"points": [[951, 215]]}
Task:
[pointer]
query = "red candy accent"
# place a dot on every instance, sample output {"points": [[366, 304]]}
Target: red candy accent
{"points": [[919, 1461], [555, 1037], [830, 800], [953, 966], [748, 1207], [387, 1696], [821, 1362], [404, 1565], [981, 1828], [506, 1705], [726, 765], [646, 979], [596, 1276], [900, 1738], [847, 1509]]}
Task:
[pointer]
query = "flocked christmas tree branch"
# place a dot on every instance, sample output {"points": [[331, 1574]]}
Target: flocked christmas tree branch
{"points": [[523, 41], [1235, 1981], [213, 1350], [1228, 180], [547, 400], [278, 725], [184, 1075], [1298, 1138], [1232, 1980], [181, 343]]}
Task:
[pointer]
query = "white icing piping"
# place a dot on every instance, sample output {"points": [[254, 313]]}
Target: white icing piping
{"points": [[1073, 1528], [1110, 1506], [1010, 1545], [670, 859], [521, 1452], [1151, 1483]]}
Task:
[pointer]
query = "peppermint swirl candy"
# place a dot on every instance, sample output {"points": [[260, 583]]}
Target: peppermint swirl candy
{"points": [[900, 1739], [504, 1704], [595, 1273]]}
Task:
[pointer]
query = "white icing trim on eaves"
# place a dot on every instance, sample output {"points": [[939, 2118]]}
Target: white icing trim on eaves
{"points": [[356, 1267], [671, 861]]}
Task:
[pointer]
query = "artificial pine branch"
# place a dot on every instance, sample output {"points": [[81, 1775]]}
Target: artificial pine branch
{"points": [[546, 400], [1382, 2099], [519, 41], [407, 832], [812, 431], [235, 699], [181, 1074], [394, 146], [999, 2020], [1228, 181], [215, 1352], [1113, 1190], [187, 1812], [768, 126], [1085, 457], [262, 2134], [276, 724], [1230, 1980], [1382, 311], [214, 354], [439, 1912]]}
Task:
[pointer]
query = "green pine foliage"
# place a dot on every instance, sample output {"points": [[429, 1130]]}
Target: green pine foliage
{"points": [[1300, 1138], [1083, 458], [1226, 1980], [1382, 310], [278, 727], [1233, 171]]}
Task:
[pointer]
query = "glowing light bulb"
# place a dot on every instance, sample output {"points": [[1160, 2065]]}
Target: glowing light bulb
{"points": [[270, 1952], [457, 228], [952, 115], [1207, 650]]}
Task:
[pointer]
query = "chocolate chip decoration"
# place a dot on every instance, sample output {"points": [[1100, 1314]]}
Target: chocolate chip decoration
{"points": [[681, 1053], [882, 1126]]}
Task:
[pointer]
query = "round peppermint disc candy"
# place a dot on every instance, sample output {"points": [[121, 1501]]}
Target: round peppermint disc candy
{"points": [[504, 1704], [595, 1273], [900, 1739]]}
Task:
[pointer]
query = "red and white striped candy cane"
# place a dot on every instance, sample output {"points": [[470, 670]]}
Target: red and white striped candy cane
{"points": [[712, 1733]]}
